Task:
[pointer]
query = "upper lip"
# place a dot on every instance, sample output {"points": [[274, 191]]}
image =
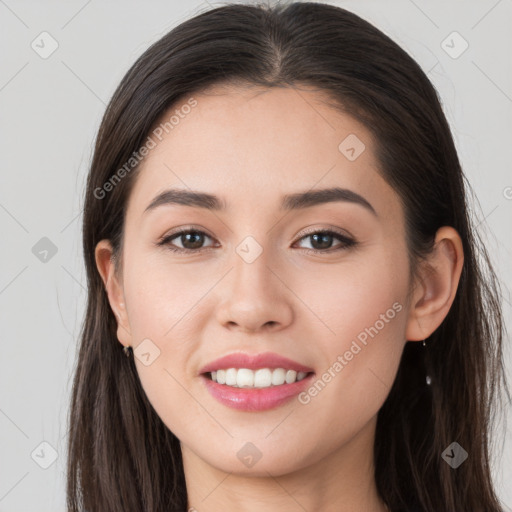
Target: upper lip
{"points": [[254, 362]]}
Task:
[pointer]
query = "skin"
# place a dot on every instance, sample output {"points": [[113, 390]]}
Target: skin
{"points": [[250, 147]]}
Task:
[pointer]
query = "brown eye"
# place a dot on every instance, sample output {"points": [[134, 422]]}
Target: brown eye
{"points": [[322, 241], [190, 240]]}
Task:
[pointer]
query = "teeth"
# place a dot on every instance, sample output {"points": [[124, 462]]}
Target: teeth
{"points": [[278, 376], [231, 377], [262, 378], [244, 378], [291, 376]]}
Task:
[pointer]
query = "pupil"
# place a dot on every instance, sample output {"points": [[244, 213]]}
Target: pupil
{"points": [[325, 240], [193, 234]]}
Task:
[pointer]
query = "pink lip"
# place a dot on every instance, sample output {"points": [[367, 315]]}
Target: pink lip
{"points": [[254, 362], [255, 399]]}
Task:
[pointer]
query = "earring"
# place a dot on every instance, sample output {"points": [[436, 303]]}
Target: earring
{"points": [[428, 379], [127, 350]]}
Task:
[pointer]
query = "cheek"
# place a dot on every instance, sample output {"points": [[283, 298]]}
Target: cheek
{"points": [[162, 297], [348, 300], [161, 301], [364, 312]]}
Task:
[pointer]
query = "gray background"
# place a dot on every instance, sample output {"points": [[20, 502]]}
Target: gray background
{"points": [[50, 111]]}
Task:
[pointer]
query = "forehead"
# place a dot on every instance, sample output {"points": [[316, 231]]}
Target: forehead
{"points": [[241, 143]]}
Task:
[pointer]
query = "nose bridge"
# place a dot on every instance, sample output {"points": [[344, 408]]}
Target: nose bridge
{"points": [[256, 296], [252, 277], [254, 251]]}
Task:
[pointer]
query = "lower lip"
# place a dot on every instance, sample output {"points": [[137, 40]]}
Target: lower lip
{"points": [[255, 399]]}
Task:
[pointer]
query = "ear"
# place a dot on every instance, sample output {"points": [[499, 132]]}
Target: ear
{"points": [[114, 289], [436, 286]]}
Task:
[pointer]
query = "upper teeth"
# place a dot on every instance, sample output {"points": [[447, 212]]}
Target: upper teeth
{"points": [[262, 378]]}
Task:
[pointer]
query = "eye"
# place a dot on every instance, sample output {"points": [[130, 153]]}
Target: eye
{"points": [[192, 240], [322, 241]]}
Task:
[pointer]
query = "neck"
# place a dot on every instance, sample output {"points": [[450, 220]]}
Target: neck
{"points": [[343, 481]]}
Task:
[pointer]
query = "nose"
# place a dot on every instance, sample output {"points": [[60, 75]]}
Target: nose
{"points": [[255, 297]]}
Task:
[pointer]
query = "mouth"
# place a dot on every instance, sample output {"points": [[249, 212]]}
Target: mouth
{"points": [[255, 391], [255, 382]]}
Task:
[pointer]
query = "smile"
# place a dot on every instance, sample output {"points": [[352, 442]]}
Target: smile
{"points": [[255, 382]]}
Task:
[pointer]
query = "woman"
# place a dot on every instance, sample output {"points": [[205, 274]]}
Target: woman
{"points": [[357, 372]]}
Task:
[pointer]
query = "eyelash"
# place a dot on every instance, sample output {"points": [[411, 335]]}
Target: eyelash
{"points": [[346, 241]]}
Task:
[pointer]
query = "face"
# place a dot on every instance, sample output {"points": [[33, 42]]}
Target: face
{"points": [[323, 284]]}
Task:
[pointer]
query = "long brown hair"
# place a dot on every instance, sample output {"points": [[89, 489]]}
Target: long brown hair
{"points": [[121, 456]]}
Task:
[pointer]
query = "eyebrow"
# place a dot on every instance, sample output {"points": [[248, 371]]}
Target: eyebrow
{"points": [[294, 201]]}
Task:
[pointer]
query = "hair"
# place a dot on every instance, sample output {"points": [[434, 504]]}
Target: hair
{"points": [[121, 456]]}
